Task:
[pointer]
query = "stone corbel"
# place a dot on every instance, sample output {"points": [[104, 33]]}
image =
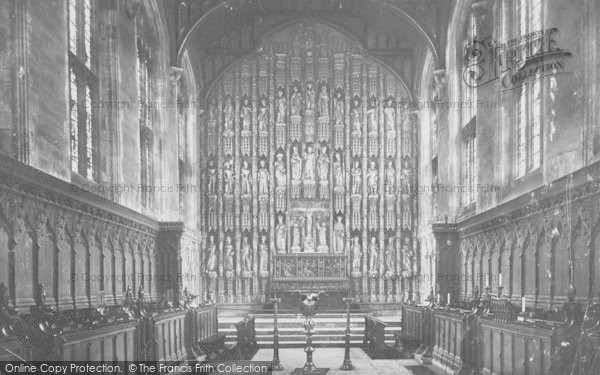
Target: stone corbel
{"points": [[133, 8], [175, 74]]}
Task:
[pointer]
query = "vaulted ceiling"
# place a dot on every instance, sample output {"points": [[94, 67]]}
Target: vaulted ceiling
{"points": [[220, 32]]}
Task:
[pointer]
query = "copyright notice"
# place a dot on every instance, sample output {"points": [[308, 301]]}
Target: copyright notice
{"points": [[84, 368]]}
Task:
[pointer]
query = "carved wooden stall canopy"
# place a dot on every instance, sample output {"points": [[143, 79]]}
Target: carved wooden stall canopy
{"points": [[308, 150]]}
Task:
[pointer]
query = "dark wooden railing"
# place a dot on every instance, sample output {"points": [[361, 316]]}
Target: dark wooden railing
{"points": [[246, 345], [374, 338], [173, 335], [491, 340]]}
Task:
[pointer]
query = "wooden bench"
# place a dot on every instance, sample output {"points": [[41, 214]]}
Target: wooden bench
{"points": [[246, 346]]}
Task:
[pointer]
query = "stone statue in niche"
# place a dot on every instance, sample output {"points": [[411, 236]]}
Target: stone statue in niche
{"points": [[339, 235], [355, 118], [296, 101], [309, 243], [324, 102], [322, 236], [212, 111], [338, 171], [263, 115], [389, 257], [264, 255], [228, 112], [406, 177], [338, 107], [280, 235], [296, 237], [390, 178], [296, 162], [372, 178], [356, 255], [280, 172], [229, 262], [228, 179], [310, 97], [309, 164], [323, 165], [211, 255], [372, 116], [389, 114], [212, 212], [211, 176], [246, 115], [263, 179], [373, 255], [356, 178], [246, 255], [407, 255], [281, 106], [406, 211], [246, 177]]}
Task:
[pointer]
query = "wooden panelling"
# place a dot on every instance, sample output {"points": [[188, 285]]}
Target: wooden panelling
{"points": [[98, 344], [515, 348]]}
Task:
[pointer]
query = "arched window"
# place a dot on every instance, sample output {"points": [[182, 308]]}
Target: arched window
{"points": [[529, 104], [83, 83], [144, 112]]}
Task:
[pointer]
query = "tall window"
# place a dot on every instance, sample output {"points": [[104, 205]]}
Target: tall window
{"points": [[529, 104], [469, 94], [469, 115], [144, 113], [469, 188], [83, 83], [182, 132]]}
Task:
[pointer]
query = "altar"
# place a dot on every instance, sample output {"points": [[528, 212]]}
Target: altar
{"points": [[325, 272]]}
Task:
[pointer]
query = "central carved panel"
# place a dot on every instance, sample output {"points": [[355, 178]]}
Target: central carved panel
{"points": [[309, 152]]}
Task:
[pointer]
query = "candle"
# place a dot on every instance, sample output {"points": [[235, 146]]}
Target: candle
{"points": [[448, 298], [500, 279], [523, 304], [439, 298]]}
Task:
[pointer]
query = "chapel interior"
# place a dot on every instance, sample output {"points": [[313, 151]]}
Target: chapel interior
{"points": [[404, 183]]}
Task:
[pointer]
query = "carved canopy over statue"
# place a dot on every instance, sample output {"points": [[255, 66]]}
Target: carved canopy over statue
{"points": [[310, 151]]}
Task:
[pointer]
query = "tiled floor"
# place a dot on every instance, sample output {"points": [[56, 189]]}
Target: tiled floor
{"points": [[333, 358]]}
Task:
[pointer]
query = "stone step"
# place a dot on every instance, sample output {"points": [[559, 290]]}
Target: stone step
{"points": [[329, 331], [318, 344], [300, 330]]}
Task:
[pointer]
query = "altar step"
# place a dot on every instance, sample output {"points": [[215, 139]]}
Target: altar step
{"points": [[330, 329]]}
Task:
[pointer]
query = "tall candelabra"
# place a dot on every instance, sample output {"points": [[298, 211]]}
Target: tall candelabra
{"points": [[347, 365], [276, 362]]}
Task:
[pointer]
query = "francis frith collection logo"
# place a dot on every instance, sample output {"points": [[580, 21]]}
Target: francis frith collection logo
{"points": [[515, 62]]}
